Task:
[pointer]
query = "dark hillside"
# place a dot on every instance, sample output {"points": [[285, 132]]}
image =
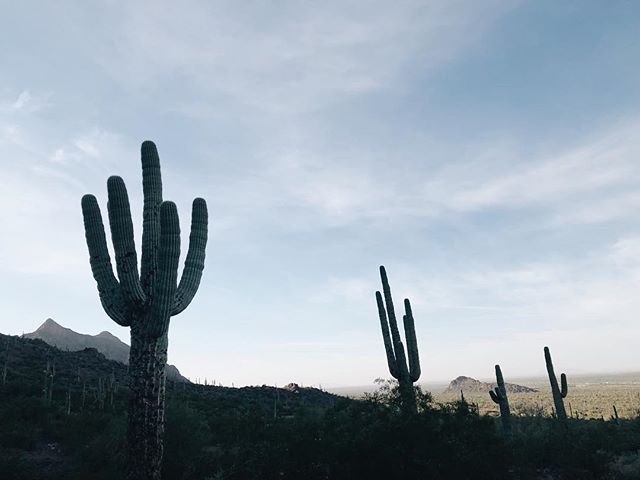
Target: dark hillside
{"points": [[26, 363], [106, 343]]}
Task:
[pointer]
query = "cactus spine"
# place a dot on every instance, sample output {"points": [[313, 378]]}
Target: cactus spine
{"points": [[394, 348], [499, 396], [558, 392], [145, 301]]}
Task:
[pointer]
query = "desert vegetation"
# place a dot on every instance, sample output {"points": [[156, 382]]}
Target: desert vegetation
{"points": [[236, 433], [591, 398]]}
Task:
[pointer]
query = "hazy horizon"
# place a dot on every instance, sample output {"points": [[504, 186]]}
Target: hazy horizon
{"points": [[486, 154], [541, 377]]}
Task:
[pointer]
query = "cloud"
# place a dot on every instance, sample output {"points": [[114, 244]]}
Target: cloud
{"points": [[626, 251], [43, 236], [290, 57], [88, 147], [42, 193], [351, 290], [591, 182], [585, 183], [593, 171], [22, 101], [25, 102]]}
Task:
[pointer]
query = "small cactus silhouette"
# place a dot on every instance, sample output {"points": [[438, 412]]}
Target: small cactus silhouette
{"points": [[558, 392], [499, 396], [394, 348], [615, 418]]}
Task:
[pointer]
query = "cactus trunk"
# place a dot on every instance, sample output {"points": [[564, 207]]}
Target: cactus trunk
{"points": [[147, 362], [407, 395]]}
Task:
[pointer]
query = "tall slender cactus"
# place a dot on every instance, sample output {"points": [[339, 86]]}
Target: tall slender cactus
{"points": [[499, 396], [558, 392], [396, 358], [5, 366], [49, 375], [145, 301]]}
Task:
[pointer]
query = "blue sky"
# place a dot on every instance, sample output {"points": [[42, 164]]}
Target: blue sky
{"points": [[487, 153]]}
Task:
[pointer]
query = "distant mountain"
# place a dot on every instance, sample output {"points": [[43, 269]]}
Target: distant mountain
{"points": [[471, 385], [106, 343]]}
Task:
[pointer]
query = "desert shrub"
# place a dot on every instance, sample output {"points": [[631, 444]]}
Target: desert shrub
{"points": [[186, 435]]}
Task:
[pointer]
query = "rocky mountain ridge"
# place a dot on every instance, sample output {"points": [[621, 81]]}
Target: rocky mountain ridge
{"points": [[471, 385], [104, 342]]}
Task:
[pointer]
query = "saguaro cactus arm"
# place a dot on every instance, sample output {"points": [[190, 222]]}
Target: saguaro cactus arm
{"points": [[398, 347], [194, 263], [386, 338], [152, 190], [496, 396], [123, 243], [412, 342], [564, 389], [168, 259], [499, 377], [499, 393], [108, 286]]}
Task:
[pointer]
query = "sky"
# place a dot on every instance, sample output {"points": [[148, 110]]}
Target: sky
{"points": [[487, 153]]}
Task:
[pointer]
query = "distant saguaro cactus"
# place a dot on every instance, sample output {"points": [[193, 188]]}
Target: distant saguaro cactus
{"points": [[615, 417], [396, 357], [5, 366], [49, 375], [499, 396], [558, 392], [145, 301]]}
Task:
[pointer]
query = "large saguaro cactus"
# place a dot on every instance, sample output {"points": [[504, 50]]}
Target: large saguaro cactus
{"points": [[396, 357], [558, 392], [145, 301], [499, 396]]}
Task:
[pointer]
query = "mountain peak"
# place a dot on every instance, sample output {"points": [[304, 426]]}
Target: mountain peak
{"points": [[105, 342], [50, 324], [104, 333]]}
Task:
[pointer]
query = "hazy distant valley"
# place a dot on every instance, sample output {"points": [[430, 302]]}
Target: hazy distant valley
{"points": [[592, 396]]}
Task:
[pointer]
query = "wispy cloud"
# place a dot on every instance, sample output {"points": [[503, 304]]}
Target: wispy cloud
{"points": [[25, 102], [601, 168], [292, 57], [588, 182], [42, 193]]}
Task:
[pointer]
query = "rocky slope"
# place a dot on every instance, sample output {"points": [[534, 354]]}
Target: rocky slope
{"points": [[109, 345], [23, 363]]}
